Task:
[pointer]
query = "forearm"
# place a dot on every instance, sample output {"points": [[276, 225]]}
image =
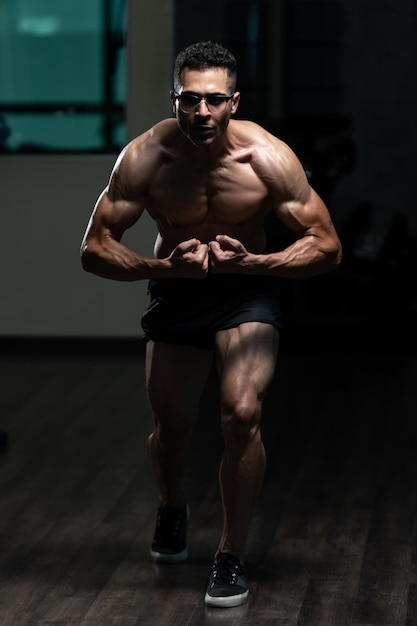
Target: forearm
{"points": [[116, 261], [304, 258]]}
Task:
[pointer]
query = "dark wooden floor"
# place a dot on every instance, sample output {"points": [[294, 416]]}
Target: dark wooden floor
{"points": [[333, 540]]}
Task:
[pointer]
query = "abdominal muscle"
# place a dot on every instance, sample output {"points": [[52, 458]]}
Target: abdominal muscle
{"points": [[251, 235]]}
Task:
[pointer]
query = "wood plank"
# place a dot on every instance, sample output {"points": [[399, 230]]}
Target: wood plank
{"points": [[333, 536]]}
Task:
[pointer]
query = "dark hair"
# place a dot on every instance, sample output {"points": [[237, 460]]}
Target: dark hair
{"points": [[204, 55]]}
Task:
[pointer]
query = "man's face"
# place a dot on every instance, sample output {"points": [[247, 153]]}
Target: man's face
{"points": [[203, 124]]}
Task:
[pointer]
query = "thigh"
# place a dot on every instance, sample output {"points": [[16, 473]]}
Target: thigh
{"points": [[175, 378], [246, 359]]}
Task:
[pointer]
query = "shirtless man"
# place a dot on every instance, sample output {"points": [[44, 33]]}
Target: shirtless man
{"points": [[208, 182]]}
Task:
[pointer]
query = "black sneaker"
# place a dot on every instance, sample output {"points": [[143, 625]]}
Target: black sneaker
{"points": [[227, 584], [169, 542]]}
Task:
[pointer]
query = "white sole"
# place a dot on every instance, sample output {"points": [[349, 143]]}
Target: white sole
{"points": [[160, 557], [226, 602]]}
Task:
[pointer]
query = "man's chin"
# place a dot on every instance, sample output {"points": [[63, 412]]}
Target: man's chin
{"points": [[202, 137], [201, 142]]}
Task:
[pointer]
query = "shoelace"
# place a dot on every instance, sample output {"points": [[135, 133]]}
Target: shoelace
{"points": [[226, 570], [166, 530]]}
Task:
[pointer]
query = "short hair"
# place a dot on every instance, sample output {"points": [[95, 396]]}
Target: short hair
{"points": [[204, 55]]}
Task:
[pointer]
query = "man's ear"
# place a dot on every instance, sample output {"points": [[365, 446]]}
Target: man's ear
{"points": [[173, 101], [236, 100]]}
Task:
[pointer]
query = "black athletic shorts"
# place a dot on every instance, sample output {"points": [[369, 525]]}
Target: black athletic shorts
{"points": [[190, 311]]}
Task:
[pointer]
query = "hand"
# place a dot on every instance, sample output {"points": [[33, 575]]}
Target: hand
{"points": [[190, 259], [226, 254]]}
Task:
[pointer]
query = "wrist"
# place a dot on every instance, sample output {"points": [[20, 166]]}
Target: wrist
{"points": [[254, 264]]}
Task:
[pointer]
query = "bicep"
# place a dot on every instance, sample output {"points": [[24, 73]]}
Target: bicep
{"points": [[113, 214], [122, 202], [294, 201], [304, 215]]}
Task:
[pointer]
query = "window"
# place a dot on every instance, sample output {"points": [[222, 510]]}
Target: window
{"points": [[62, 76]]}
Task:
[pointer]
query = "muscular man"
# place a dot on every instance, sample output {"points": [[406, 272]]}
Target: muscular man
{"points": [[208, 182]]}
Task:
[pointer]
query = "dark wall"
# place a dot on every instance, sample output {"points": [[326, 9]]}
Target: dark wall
{"points": [[348, 103]]}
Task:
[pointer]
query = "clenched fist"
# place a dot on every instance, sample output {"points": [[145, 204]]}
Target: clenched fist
{"points": [[191, 259], [226, 254]]}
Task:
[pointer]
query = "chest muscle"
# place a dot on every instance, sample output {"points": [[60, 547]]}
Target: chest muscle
{"points": [[184, 195]]}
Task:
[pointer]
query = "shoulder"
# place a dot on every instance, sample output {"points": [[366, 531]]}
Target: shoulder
{"points": [[273, 160], [265, 148], [141, 158], [152, 143], [252, 133]]}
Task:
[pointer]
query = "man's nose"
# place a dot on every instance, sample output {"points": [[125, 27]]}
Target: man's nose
{"points": [[205, 110]]}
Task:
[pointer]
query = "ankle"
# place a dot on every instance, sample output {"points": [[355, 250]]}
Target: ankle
{"points": [[175, 501], [220, 553]]}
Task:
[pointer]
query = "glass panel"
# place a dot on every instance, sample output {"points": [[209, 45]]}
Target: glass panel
{"points": [[60, 62], [55, 132]]}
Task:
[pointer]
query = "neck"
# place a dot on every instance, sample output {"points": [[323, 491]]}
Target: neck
{"points": [[211, 152]]}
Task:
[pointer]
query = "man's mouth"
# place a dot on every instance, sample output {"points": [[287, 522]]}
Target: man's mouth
{"points": [[203, 130]]}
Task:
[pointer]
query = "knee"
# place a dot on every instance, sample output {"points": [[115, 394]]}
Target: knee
{"points": [[170, 434], [240, 419]]}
